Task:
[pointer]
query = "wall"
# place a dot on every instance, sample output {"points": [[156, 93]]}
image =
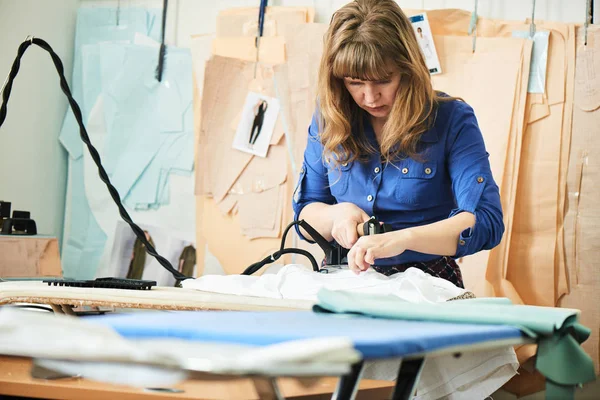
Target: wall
{"points": [[33, 165]]}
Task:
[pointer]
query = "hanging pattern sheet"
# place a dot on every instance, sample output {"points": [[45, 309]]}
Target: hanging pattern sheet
{"points": [[582, 217], [304, 46], [235, 179], [83, 239], [143, 131], [241, 196]]}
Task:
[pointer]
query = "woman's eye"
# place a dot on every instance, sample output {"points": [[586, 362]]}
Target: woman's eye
{"points": [[355, 83], [384, 82]]}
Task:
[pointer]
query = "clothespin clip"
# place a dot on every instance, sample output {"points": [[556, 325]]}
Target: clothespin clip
{"points": [[532, 24], [588, 18], [473, 25], [163, 49], [259, 31]]}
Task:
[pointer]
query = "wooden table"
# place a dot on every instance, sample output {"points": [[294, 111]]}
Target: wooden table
{"points": [[15, 380]]}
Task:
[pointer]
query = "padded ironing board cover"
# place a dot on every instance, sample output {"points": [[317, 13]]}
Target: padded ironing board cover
{"points": [[373, 337]]}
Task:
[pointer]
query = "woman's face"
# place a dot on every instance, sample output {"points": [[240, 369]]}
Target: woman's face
{"points": [[375, 97]]}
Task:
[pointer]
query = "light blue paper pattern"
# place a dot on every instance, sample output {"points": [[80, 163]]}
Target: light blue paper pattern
{"points": [[96, 25], [83, 246], [539, 60], [150, 124]]}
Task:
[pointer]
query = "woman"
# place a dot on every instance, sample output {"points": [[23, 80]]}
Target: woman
{"points": [[259, 116], [383, 143]]}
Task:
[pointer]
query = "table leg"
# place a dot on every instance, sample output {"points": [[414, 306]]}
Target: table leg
{"points": [[348, 384], [408, 377], [57, 309], [267, 388]]}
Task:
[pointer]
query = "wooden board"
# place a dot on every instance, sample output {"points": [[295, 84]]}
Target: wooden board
{"points": [[29, 256], [158, 298]]}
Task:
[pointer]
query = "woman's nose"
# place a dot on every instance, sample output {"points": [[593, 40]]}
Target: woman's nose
{"points": [[371, 94]]}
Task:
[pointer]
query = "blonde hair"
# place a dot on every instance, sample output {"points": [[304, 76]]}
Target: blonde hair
{"points": [[363, 37]]}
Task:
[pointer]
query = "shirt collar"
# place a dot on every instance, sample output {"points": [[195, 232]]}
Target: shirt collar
{"points": [[430, 135]]}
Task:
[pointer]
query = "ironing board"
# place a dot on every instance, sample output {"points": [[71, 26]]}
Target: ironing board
{"points": [[62, 299], [374, 338]]}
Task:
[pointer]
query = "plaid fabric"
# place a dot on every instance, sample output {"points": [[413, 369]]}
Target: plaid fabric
{"points": [[444, 267]]}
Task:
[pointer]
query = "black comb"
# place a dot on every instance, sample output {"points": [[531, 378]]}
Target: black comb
{"points": [[107, 283]]}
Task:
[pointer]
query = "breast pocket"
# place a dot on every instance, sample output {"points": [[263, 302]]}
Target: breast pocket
{"points": [[339, 179], [417, 185]]}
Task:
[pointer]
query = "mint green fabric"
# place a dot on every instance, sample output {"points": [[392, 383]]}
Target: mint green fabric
{"points": [[560, 358]]}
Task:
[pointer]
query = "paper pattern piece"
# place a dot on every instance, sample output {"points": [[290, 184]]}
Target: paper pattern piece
{"points": [[141, 149], [539, 60], [582, 217], [304, 46], [84, 241], [237, 22]]}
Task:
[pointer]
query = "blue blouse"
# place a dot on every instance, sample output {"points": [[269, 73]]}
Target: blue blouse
{"points": [[452, 176]]}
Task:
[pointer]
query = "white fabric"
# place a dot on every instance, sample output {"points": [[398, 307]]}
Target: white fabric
{"points": [[73, 345], [474, 375], [299, 283]]}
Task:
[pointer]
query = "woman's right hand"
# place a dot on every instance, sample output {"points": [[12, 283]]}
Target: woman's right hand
{"points": [[347, 219]]}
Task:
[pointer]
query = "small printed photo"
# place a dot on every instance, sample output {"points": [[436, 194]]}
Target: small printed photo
{"points": [[425, 39], [255, 129]]}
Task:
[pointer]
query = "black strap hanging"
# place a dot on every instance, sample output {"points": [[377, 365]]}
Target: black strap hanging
{"points": [[163, 48]]}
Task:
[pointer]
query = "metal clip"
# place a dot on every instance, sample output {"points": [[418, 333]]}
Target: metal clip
{"points": [[588, 17], [473, 25], [532, 25], [259, 30], [118, 11]]}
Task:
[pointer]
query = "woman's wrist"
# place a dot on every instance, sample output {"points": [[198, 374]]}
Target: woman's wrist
{"points": [[405, 238]]}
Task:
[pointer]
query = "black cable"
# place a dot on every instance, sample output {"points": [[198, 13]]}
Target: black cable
{"points": [[275, 256], [163, 49], [34, 307], [85, 138]]}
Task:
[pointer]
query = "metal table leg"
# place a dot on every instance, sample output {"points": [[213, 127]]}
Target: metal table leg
{"points": [[267, 388], [408, 376], [348, 384]]}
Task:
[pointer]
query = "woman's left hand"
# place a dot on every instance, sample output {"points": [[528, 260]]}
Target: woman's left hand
{"points": [[372, 247]]}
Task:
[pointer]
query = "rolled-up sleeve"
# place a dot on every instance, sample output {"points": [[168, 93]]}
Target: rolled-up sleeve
{"points": [[474, 188], [313, 184]]}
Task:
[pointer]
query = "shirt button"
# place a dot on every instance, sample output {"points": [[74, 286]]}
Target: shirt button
{"points": [[479, 179], [377, 170], [405, 170], [345, 164], [461, 242], [369, 198], [428, 171]]}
